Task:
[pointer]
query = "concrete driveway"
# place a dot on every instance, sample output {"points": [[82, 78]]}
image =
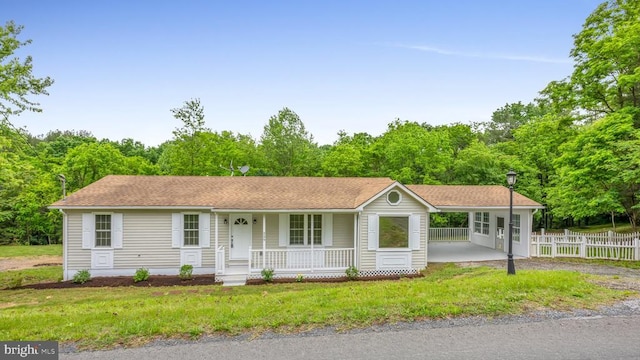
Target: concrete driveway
{"points": [[462, 251]]}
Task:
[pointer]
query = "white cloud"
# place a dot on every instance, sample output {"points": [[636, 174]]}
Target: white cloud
{"points": [[477, 55]]}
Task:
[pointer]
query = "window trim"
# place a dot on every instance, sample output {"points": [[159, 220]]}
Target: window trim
{"points": [[306, 231], [399, 197], [517, 234], [483, 224], [182, 230], [95, 232], [408, 247]]}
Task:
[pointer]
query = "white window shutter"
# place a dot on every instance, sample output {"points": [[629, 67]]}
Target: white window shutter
{"points": [[88, 223], [176, 230], [327, 229], [284, 230], [414, 231], [116, 231], [372, 230], [205, 230]]}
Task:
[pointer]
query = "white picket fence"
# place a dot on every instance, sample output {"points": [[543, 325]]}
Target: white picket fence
{"points": [[608, 245], [449, 234], [300, 259]]}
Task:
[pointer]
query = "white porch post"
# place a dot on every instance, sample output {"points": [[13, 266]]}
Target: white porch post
{"points": [[355, 239], [470, 220], [264, 240], [312, 241], [426, 236], [215, 232]]}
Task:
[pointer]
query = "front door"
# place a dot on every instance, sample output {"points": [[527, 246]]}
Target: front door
{"points": [[500, 233], [240, 236]]}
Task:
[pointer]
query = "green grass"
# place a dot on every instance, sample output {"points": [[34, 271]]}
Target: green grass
{"points": [[34, 250], [97, 318], [620, 228], [36, 275]]}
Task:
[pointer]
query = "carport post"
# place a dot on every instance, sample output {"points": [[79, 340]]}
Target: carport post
{"points": [[511, 180]]}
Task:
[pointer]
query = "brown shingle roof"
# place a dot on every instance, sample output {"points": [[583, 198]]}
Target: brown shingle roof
{"points": [[470, 196], [250, 193]]}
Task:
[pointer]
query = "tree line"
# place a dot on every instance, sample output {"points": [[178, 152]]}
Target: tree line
{"points": [[576, 148]]}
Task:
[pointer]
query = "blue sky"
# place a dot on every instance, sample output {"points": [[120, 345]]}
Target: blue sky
{"points": [[120, 66]]}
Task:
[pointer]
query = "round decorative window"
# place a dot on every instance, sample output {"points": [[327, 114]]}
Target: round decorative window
{"points": [[393, 197]]}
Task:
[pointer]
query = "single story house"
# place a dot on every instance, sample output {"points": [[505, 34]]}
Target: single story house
{"points": [[236, 226]]}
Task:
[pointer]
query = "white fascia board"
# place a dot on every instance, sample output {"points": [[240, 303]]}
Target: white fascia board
{"points": [[476, 208], [277, 211]]}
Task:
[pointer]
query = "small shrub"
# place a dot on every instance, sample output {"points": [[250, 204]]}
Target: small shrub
{"points": [[299, 278], [352, 272], [141, 274], [82, 277], [267, 274], [186, 271], [15, 282]]}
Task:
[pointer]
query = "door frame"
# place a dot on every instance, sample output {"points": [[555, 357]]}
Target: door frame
{"points": [[233, 239], [497, 238]]}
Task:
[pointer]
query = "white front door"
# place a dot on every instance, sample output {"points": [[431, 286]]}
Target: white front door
{"points": [[240, 236]]}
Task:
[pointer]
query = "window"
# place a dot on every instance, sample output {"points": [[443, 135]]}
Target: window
{"points": [[393, 232], [481, 223], [103, 230], [393, 197], [516, 227], [191, 229], [304, 227]]}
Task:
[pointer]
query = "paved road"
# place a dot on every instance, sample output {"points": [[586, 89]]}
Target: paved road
{"points": [[598, 337]]}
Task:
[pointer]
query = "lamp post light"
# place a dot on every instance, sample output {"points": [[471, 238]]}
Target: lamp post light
{"points": [[511, 180]]}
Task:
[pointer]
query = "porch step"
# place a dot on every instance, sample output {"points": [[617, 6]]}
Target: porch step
{"points": [[234, 279], [237, 269]]}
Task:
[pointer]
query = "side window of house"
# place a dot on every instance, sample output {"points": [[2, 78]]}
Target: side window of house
{"points": [[393, 232], [516, 227], [103, 230], [481, 223], [191, 230], [304, 227]]}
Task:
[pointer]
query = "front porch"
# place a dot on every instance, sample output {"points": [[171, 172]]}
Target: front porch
{"points": [[462, 251]]}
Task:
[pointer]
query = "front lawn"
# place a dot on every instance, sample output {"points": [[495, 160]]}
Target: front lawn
{"points": [[30, 250], [98, 318]]}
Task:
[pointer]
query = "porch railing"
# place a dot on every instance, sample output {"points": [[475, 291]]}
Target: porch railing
{"points": [[220, 265], [607, 245], [300, 259], [448, 234]]}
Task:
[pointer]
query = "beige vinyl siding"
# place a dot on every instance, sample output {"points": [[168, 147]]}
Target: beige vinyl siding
{"points": [[223, 234], [272, 231], [343, 231], [146, 241], [408, 205], [77, 257]]}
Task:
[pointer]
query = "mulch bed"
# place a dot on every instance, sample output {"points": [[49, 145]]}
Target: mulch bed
{"points": [[117, 281], [334, 280]]}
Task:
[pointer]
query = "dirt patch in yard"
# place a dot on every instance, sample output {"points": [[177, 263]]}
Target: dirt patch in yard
{"points": [[22, 262]]}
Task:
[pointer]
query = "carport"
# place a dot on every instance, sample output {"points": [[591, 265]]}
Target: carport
{"points": [[462, 251]]}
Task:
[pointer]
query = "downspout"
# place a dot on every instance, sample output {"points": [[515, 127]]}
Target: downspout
{"points": [[64, 245], [356, 239], [215, 236], [426, 235], [264, 241]]}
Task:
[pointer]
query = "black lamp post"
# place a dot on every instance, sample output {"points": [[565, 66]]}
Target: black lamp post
{"points": [[511, 180]]}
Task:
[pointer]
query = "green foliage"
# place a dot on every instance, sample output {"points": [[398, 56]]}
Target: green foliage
{"points": [[186, 272], [15, 282], [142, 274], [288, 148], [81, 276], [31, 251], [17, 81], [352, 273], [267, 274], [299, 278]]}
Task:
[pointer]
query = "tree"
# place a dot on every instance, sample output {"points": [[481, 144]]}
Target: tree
{"points": [[17, 81], [288, 147], [187, 148], [506, 120]]}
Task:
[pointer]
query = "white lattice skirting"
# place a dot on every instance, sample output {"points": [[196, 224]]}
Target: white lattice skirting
{"points": [[368, 273]]}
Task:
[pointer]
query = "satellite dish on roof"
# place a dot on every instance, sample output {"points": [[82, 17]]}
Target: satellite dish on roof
{"points": [[244, 169]]}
